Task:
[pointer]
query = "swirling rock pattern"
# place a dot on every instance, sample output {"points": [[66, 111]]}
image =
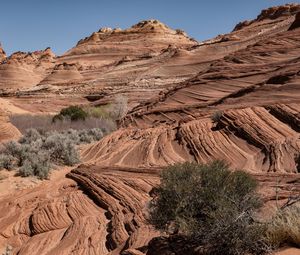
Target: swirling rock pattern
{"points": [[236, 98], [252, 138], [8, 131], [103, 212], [142, 61]]}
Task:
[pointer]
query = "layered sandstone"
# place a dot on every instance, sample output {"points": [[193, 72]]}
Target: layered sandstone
{"points": [[2, 54], [100, 212], [257, 92], [235, 97], [25, 69], [142, 61], [8, 131]]}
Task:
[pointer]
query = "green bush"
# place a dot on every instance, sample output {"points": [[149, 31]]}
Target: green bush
{"points": [[73, 113], [211, 206], [101, 112]]}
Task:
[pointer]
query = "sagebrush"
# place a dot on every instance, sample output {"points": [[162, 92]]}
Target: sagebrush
{"points": [[37, 152], [211, 206]]}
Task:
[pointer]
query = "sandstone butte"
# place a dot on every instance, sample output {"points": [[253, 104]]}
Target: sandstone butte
{"points": [[249, 77]]}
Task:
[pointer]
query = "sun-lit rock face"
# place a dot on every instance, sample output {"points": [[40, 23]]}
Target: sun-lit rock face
{"points": [[2, 53], [25, 69], [91, 212], [8, 131], [255, 90], [140, 35], [235, 97], [272, 13], [139, 62]]}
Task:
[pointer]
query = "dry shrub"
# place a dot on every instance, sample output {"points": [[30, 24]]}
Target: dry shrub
{"points": [[119, 108], [37, 151], [216, 117], [284, 227]]}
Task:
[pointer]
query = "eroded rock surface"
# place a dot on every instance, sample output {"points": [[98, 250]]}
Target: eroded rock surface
{"points": [[101, 212], [25, 69], [235, 97], [7, 130], [139, 62]]}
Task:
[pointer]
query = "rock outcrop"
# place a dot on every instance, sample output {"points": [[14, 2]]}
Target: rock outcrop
{"points": [[8, 131], [255, 90], [100, 212], [2, 54], [235, 97], [142, 61], [22, 70]]}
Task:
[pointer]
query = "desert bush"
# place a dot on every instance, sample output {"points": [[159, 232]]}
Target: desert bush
{"points": [[216, 117], [101, 112], [212, 206], [180, 32], [74, 113], [119, 108], [7, 162], [36, 165], [61, 149], [90, 135], [30, 136], [37, 151], [27, 121], [284, 228]]}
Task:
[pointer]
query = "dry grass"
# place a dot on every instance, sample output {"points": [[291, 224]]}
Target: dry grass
{"points": [[44, 122], [284, 227]]}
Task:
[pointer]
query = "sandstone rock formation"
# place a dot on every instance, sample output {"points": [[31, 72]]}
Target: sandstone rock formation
{"points": [[256, 90], [8, 131], [142, 61], [235, 97], [2, 54], [23, 70], [101, 213]]}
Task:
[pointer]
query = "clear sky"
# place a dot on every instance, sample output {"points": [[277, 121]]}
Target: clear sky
{"points": [[29, 25]]}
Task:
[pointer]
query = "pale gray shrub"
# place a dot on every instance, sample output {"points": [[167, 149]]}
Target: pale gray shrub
{"points": [[7, 162], [36, 150], [30, 136]]}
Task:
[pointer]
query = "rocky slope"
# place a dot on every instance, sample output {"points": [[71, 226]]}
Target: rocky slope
{"points": [[148, 58], [8, 131], [144, 60], [100, 212], [257, 95], [2, 54], [235, 97], [22, 70]]}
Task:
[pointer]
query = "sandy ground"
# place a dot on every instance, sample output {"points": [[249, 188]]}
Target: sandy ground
{"points": [[288, 251], [9, 182]]}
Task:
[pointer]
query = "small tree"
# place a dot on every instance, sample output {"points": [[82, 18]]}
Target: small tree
{"points": [[119, 108], [211, 206]]}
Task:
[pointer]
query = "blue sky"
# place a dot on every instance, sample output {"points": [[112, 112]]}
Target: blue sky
{"points": [[29, 25]]}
